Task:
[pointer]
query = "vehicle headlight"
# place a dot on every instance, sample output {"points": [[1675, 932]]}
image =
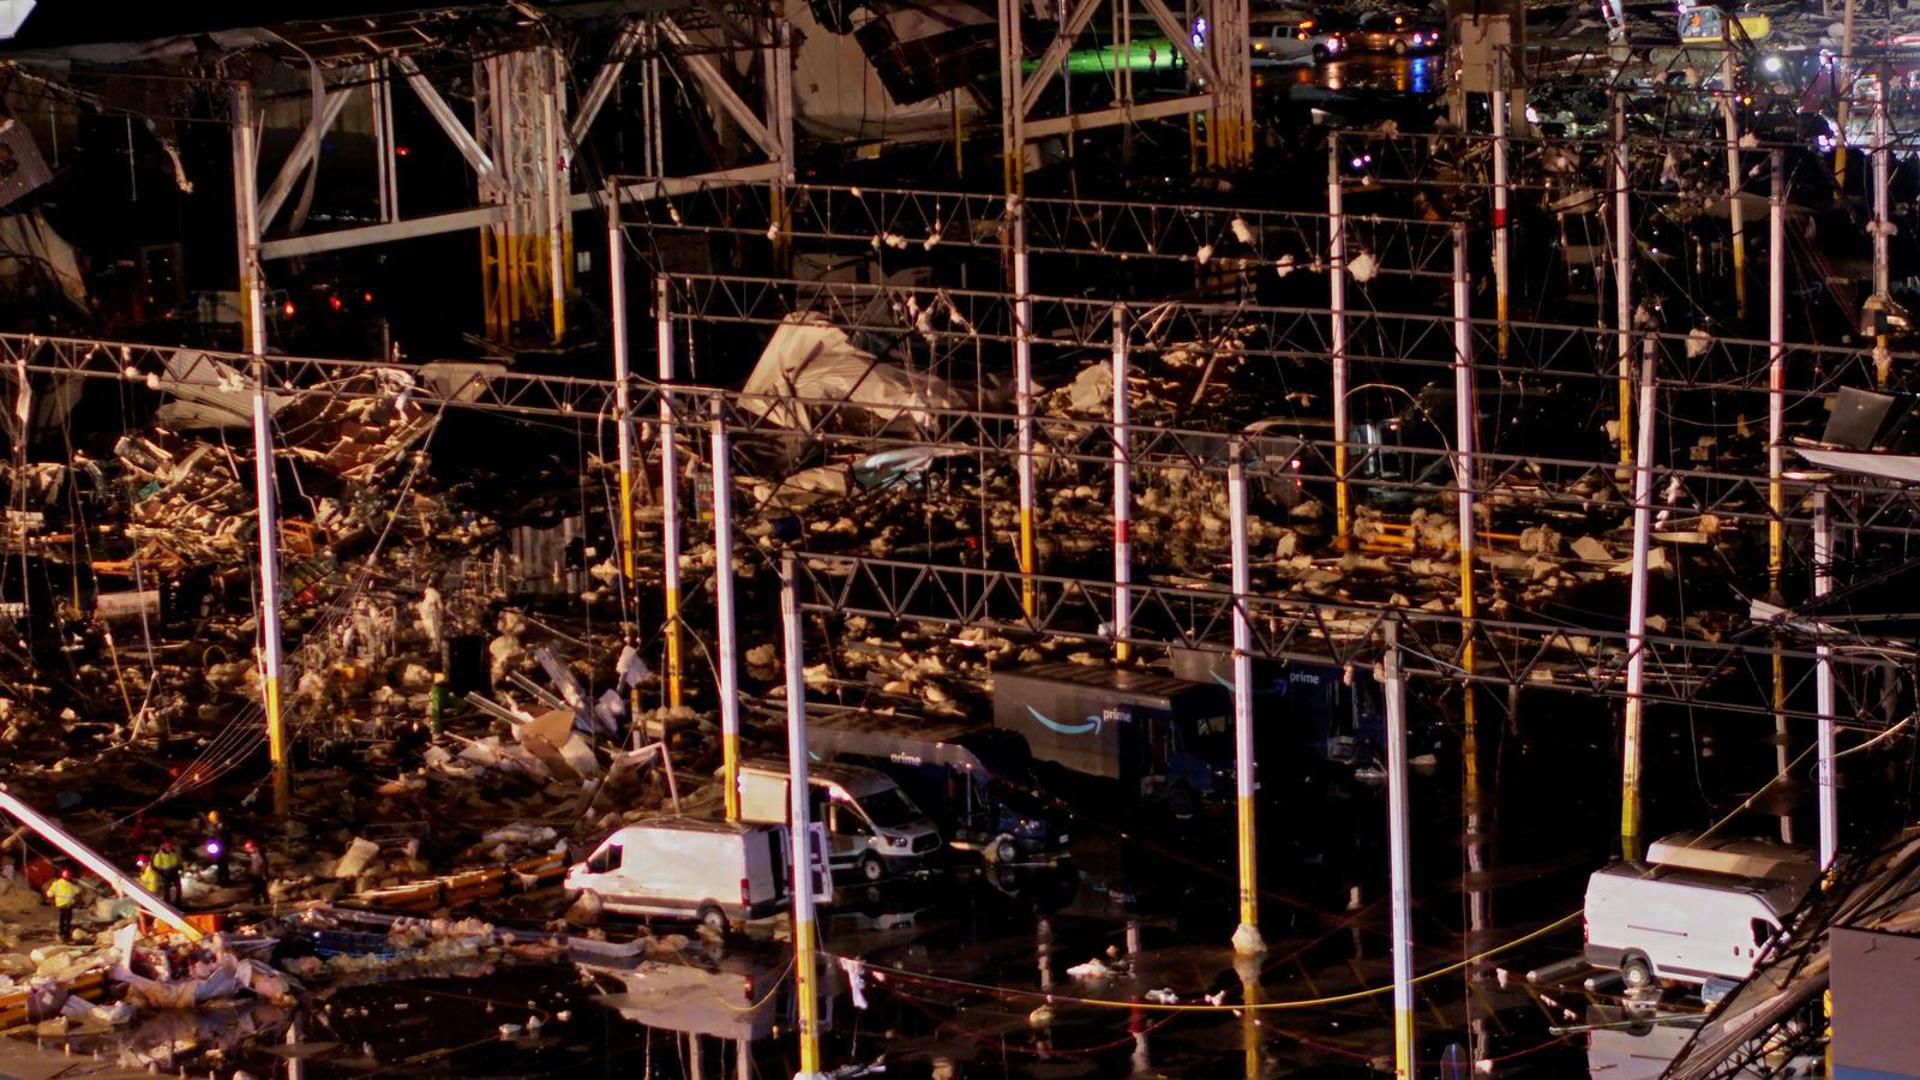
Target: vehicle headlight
{"points": [[1773, 65]]}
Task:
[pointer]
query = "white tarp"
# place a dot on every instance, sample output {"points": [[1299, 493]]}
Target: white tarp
{"points": [[208, 394], [812, 360]]}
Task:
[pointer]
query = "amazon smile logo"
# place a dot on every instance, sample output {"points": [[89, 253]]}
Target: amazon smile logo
{"points": [[1091, 726]]}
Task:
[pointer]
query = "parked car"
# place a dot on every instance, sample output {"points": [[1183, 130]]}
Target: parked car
{"points": [[1292, 39], [1392, 32], [712, 872], [872, 826]]}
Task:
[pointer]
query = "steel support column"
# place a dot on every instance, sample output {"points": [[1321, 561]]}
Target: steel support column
{"points": [[669, 493], [1337, 338], [1502, 279], [1246, 937], [1637, 611], [1122, 492], [1400, 862], [246, 162], [1466, 419], [1023, 393], [1827, 793], [1776, 449], [1736, 180], [805, 988], [729, 661], [623, 422], [1623, 273]]}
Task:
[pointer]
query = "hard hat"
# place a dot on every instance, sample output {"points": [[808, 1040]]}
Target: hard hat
{"points": [[213, 815], [66, 873], [166, 845], [251, 846], [140, 860]]}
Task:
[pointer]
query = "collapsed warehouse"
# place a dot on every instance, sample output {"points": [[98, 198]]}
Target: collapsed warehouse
{"points": [[1143, 563]]}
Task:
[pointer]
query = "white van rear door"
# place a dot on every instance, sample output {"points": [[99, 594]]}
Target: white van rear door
{"points": [[819, 867]]}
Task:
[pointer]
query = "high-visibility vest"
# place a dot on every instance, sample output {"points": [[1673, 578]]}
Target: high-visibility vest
{"points": [[150, 878], [165, 861], [63, 892]]}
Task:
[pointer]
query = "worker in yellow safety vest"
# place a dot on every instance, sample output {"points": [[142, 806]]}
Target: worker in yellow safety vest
{"points": [[167, 861], [64, 894], [149, 875]]}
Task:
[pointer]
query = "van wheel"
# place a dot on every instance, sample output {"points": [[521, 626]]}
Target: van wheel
{"points": [[712, 918], [1400, 48], [871, 868], [1321, 54], [1002, 850], [1636, 973]]}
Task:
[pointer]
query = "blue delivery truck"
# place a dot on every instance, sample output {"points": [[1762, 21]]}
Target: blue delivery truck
{"points": [[973, 779], [1319, 712], [1157, 736]]}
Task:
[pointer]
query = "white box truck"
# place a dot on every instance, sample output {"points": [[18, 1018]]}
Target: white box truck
{"points": [[1688, 925], [872, 826], [714, 872]]}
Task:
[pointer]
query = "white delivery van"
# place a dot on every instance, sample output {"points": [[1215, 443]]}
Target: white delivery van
{"points": [[716, 872], [871, 825], [1674, 922]]}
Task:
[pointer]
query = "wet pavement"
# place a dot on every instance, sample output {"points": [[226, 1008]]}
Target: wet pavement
{"points": [[1114, 964]]}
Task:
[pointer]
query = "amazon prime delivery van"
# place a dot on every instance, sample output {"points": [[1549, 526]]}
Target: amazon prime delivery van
{"points": [[1158, 736], [872, 826]]}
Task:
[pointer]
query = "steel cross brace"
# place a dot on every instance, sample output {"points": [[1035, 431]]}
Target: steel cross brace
{"points": [[1537, 656]]}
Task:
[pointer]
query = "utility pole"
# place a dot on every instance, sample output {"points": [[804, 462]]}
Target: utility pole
{"points": [[800, 857], [1246, 937], [253, 313], [1400, 868], [1122, 493], [723, 596], [1637, 609], [1337, 338], [669, 496]]}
